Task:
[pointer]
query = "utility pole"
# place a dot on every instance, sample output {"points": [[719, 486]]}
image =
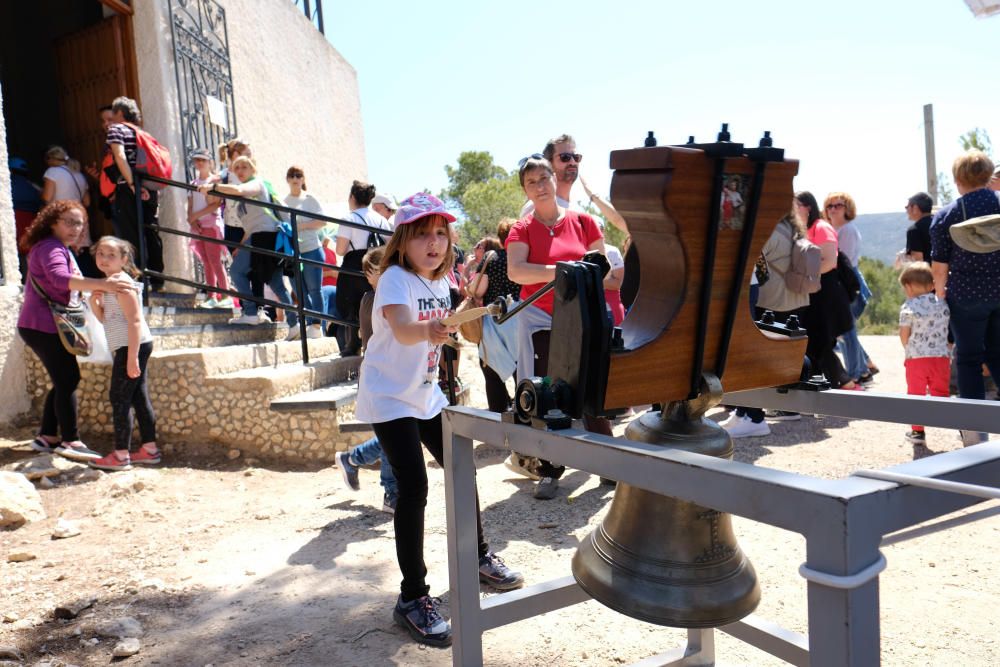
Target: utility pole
{"points": [[932, 182]]}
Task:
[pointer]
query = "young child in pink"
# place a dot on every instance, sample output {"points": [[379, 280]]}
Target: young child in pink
{"points": [[205, 217], [923, 330]]}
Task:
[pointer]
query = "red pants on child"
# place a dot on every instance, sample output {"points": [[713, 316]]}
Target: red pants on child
{"points": [[927, 375]]}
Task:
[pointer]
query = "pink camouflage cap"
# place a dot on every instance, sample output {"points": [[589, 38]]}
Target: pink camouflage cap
{"points": [[419, 206]]}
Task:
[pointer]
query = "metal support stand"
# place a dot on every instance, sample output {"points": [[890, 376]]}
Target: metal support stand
{"points": [[844, 521]]}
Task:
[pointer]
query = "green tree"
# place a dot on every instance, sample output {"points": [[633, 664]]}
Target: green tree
{"points": [[486, 203], [612, 235], [946, 192], [881, 315], [484, 192], [472, 167], [977, 139]]}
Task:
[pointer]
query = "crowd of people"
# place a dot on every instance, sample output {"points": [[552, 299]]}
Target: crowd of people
{"points": [[411, 274]]}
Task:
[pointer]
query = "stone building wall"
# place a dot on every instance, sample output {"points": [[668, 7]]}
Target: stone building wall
{"points": [[14, 398]]}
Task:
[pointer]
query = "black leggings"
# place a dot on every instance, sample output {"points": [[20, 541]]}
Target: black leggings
{"points": [[128, 394], [400, 439], [540, 340], [60, 413], [497, 397]]}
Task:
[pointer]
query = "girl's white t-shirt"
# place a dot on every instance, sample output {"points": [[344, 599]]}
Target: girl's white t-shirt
{"points": [[399, 380]]}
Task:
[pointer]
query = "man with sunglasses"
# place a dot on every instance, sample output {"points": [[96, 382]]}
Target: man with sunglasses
{"points": [[918, 236], [561, 152]]}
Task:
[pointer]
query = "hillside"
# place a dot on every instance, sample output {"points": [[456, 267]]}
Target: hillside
{"points": [[882, 235]]}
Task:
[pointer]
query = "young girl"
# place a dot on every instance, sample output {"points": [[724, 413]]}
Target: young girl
{"points": [[205, 217], [131, 344], [399, 395]]}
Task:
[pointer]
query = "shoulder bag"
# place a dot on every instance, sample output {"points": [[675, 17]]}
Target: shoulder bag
{"points": [[472, 330], [71, 323]]}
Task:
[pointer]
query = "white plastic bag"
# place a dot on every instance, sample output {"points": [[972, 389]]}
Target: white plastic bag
{"points": [[100, 354]]}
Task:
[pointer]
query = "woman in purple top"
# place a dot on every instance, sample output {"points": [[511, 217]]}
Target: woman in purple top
{"points": [[970, 281], [52, 267]]}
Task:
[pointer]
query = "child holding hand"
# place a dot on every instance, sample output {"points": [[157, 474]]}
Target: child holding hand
{"points": [[131, 344], [399, 395], [923, 330]]}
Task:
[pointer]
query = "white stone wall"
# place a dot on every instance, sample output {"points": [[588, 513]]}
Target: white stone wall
{"points": [[297, 99], [14, 397], [161, 117], [297, 102]]}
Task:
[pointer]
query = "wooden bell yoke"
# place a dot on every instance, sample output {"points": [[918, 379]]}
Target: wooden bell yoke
{"points": [[698, 215]]}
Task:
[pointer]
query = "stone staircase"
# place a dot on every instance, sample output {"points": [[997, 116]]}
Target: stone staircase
{"points": [[213, 383], [216, 386]]}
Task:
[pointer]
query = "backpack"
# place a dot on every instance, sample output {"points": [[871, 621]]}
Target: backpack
{"points": [[151, 157], [803, 275], [848, 278]]}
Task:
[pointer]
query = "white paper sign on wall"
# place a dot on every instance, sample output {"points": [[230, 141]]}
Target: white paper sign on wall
{"points": [[217, 112]]}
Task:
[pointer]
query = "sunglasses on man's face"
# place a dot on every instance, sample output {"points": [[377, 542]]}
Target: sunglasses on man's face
{"points": [[566, 157]]}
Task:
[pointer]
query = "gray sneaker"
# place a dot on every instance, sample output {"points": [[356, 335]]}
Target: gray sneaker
{"points": [[389, 503], [546, 488], [494, 572], [77, 451], [348, 470]]}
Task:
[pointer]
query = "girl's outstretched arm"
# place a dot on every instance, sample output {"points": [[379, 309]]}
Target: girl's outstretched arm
{"points": [[408, 331]]}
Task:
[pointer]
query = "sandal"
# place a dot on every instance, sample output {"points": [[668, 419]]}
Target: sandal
{"points": [[40, 444]]}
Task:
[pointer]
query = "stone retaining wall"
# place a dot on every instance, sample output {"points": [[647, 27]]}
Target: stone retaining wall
{"points": [[196, 413]]}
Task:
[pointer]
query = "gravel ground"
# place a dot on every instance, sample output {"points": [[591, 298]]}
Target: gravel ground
{"points": [[225, 563]]}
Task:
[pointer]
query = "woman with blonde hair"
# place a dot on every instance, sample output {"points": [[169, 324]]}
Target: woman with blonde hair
{"points": [[970, 281], [840, 210], [259, 227]]}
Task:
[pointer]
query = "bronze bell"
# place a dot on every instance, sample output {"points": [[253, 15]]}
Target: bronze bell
{"points": [[664, 560]]}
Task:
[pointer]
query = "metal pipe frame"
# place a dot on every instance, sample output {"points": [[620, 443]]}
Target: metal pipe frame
{"points": [[843, 521]]}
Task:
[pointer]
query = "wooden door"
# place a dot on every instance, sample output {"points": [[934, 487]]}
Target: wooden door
{"points": [[95, 65]]}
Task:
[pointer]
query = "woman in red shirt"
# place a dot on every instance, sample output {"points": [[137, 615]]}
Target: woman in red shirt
{"points": [[549, 234]]}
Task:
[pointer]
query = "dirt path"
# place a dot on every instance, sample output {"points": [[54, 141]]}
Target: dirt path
{"points": [[228, 564]]}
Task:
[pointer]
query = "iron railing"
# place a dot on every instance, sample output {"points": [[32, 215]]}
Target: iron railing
{"points": [[313, 9], [296, 258]]}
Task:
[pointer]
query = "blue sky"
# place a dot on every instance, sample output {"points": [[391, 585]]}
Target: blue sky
{"points": [[840, 86]]}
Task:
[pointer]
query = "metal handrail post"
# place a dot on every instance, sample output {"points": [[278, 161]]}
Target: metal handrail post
{"points": [[140, 231], [300, 288]]}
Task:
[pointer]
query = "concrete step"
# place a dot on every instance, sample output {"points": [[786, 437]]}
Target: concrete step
{"points": [[172, 299], [217, 335], [219, 361], [169, 316], [334, 397], [275, 381]]}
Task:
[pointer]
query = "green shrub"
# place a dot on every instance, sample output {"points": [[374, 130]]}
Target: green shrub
{"points": [[881, 316]]}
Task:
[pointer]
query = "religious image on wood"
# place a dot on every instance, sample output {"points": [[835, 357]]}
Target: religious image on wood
{"points": [[733, 203]]}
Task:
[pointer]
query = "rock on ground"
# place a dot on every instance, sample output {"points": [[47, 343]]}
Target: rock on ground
{"points": [[126, 647], [19, 501], [119, 628], [73, 608]]}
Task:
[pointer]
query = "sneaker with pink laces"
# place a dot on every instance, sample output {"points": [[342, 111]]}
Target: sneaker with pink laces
{"points": [[110, 462], [143, 457]]}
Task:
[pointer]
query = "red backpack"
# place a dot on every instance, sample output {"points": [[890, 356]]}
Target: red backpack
{"points": [[151, 158]]}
